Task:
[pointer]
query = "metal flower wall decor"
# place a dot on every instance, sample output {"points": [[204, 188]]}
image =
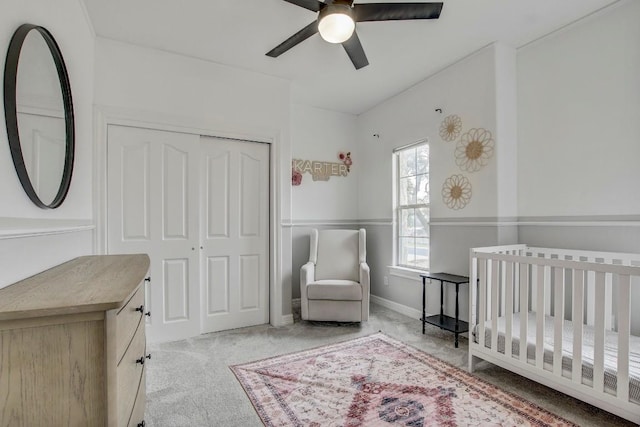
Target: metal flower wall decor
{"points": [[456, 192], [450, 128], [474, 149], [472, 152]]}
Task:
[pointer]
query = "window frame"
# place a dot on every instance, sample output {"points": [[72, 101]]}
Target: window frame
{"points": [[398, 208]]}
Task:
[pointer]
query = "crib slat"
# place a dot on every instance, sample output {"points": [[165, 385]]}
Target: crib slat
{"points": [[577, 309], [495, 269], [624, 299], [508, 337], [482, 267], [591, 296], [547, 291], [503, 281], [598, 338], [540, 288], [524, 318], [516, 288], [490, 264], [608, 306], [534, 289], [558, 316]]}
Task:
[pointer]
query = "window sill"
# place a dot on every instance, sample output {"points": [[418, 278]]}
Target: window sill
{"points": [[406, 273]]}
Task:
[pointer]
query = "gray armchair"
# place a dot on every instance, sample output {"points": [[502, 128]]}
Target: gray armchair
{"points": [[335, 284]]}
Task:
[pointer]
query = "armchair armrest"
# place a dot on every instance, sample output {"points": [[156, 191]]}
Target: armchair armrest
{"points": [[307, 275]]}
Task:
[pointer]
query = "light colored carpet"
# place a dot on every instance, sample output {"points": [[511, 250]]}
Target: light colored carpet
{"points": [[189, 382]]}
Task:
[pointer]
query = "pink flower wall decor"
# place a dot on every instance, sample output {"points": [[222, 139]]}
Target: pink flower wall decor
{"points": [[296, 177], [346, 159]]}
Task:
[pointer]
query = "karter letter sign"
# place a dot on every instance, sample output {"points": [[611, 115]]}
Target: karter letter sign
{"points": [[320, 171]]}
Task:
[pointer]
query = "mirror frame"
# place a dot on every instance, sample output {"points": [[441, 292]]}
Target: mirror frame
{"points": [[11, 116]]}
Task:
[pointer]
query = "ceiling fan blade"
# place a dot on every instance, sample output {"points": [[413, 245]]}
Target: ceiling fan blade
{"points": [[396, 11], [312, 5], [295, 39], [355, 51]]}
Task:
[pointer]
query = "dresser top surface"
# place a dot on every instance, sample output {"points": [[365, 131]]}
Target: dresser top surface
{"points": [[82, 285]]}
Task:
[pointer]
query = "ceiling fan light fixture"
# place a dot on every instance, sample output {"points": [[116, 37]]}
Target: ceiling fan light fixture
{"points": [[335, 23]]}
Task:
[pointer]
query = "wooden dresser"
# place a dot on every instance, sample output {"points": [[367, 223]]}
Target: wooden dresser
{"points": [[72, 345]]}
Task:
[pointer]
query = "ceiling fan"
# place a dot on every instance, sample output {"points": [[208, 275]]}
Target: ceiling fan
{"points": [[337, 20]]}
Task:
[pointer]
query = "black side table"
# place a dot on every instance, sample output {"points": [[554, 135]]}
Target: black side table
{"points": [[448, 323]]}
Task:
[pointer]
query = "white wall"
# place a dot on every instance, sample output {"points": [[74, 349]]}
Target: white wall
{"points": [[148, 84], [579, 118], [318, 134], [564, 111], [469, 89], [25, 256], [579, 133], [149, 80]]}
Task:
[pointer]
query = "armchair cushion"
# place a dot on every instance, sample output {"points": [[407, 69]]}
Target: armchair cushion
{"points": [[338, 255], [337, 290]]}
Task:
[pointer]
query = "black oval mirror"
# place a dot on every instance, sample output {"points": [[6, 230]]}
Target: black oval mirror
{"points": [[39, 114]]}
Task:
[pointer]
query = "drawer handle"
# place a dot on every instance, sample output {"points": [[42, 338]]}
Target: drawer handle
{"points": [[147, 279], [142, 424], [141, 360], [140, 309], [148, 314]]}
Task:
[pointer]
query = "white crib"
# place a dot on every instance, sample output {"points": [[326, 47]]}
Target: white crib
{"points": [[577, 323]]}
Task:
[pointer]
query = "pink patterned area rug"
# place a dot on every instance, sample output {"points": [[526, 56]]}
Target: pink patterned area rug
{"points": [[379, 381]]}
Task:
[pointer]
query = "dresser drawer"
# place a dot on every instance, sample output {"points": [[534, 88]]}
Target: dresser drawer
{"points": [[127, 321], [137, 416], [128, 373]]}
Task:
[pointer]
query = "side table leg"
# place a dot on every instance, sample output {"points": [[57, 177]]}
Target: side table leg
{"points": [[441, 300], [457, 307], [457, 313], [424, 301]]}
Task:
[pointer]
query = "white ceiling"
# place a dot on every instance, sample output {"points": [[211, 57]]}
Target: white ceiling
{"points": [[401, 53]]}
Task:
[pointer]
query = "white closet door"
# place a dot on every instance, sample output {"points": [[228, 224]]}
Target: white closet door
{"points": [[235, 225], [153, 186]]}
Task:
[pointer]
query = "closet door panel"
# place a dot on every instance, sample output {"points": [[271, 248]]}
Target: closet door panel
{"points": [[176, 291], [134, 168], [217, 198], [175, 193], [235, 212], [217, 285], [251, 210], [153, 185]]}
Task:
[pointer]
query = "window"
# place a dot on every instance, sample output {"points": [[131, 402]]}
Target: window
{"points": [[412, 206]]}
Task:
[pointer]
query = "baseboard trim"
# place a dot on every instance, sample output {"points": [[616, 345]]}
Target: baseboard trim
{"points": [[286, 320], [392, 305]]}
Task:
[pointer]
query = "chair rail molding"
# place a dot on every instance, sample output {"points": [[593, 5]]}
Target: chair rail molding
{"points": [[14, 228]]}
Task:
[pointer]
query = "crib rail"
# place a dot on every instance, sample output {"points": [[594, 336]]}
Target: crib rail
{"points": [[591, 290]]}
